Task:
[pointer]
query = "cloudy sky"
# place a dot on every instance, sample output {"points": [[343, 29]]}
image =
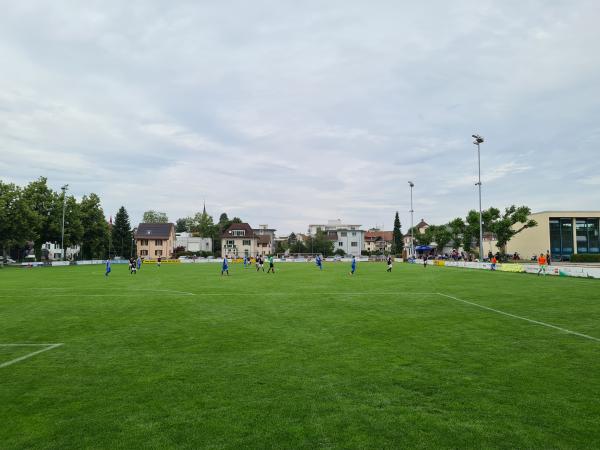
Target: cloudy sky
{"points": [[290, 113]]}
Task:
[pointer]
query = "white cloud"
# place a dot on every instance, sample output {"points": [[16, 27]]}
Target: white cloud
{"points": [[297, 113]]}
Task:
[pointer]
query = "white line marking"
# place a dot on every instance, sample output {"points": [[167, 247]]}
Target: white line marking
{"points": [[537, 322], [29, 355]]}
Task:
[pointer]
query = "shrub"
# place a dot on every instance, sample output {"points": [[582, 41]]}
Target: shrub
{"points": [[585, 257]]}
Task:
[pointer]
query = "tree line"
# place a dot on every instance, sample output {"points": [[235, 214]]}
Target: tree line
{"points": [[464, 233], [32, 215]]}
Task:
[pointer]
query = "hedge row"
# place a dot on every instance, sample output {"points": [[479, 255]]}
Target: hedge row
{"points": [[584, 257]]}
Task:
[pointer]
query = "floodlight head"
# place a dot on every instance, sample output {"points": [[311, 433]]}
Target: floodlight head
{"points": [[411, 184], [478, 139]]}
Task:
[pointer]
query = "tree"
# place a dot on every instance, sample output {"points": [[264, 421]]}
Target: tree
{"points": [[340, 252], [224, 222], [203, 225], [292, 239], [95, 235], [155, 217], [182, 225], [442, 236], [457, 229], [47, 207], [236, 220], [297, 247], [281, 247], [471, 232], [319, 244], [73, 226], [398, 241], [503, 227], [18, 221], [122, 237]]}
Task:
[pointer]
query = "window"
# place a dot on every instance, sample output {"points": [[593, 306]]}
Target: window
{"points": [[143, 252], [246, 242], [231, 243], [587, 236], [158, 242], [143, 241], [354, 233], [353, 244], [566, 228], [239, 232], [561, 236], [344, 234], [340, 244], [157, 252]]}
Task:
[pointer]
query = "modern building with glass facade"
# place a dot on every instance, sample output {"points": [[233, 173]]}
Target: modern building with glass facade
{"points": [[563, 233]]}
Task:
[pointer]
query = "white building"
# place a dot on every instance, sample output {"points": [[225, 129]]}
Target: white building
{"points": [[53, 251], [193, 244], [347, 237]]}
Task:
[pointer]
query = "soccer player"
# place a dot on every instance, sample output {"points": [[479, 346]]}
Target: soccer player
{"points": [[494, 261], [319, 262], [542, 264], [389, 263], [271, 265], [245, 262], [353, 266], [225, 267], [132, 266], [139, 263], [158, 261], [425, 258], [107, 268]]}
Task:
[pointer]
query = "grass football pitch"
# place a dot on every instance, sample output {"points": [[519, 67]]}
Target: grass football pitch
{"points": [[180, 357]]}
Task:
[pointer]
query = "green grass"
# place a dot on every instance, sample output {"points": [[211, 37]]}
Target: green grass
{"points": [[301, 359]]}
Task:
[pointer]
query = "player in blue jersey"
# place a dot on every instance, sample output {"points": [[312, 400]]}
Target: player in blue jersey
{"points": [[353, 265], [319, 262], [225, 268], [139, 263], [245, 262], [107, 268]]}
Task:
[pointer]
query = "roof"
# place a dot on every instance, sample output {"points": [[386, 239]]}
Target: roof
{"points": [[375, 235], [154, 230], [238, 226], [264, 239], [422, 224]]}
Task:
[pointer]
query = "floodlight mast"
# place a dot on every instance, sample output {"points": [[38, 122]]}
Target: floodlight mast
{"points": [[62, 239], [479, 140], [412, 233]]}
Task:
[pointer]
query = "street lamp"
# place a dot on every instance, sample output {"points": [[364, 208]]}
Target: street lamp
{"points": [[479, 140], [62, 239], [412, 231]]}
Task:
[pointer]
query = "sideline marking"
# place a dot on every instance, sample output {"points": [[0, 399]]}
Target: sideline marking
{"points": [[537, 322], [29, 355]]}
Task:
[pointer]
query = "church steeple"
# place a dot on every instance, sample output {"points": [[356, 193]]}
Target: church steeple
{"points": [[204, 207]]}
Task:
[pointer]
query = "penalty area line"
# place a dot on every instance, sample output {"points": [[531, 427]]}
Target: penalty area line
{"points": [[28, 355], [514, 316]]}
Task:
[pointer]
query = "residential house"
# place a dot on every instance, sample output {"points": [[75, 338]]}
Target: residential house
{"points": [[193, 243], [239, 240], [265, 244], [154, 240], [347, 237], [418, 229], [378, 241]]}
